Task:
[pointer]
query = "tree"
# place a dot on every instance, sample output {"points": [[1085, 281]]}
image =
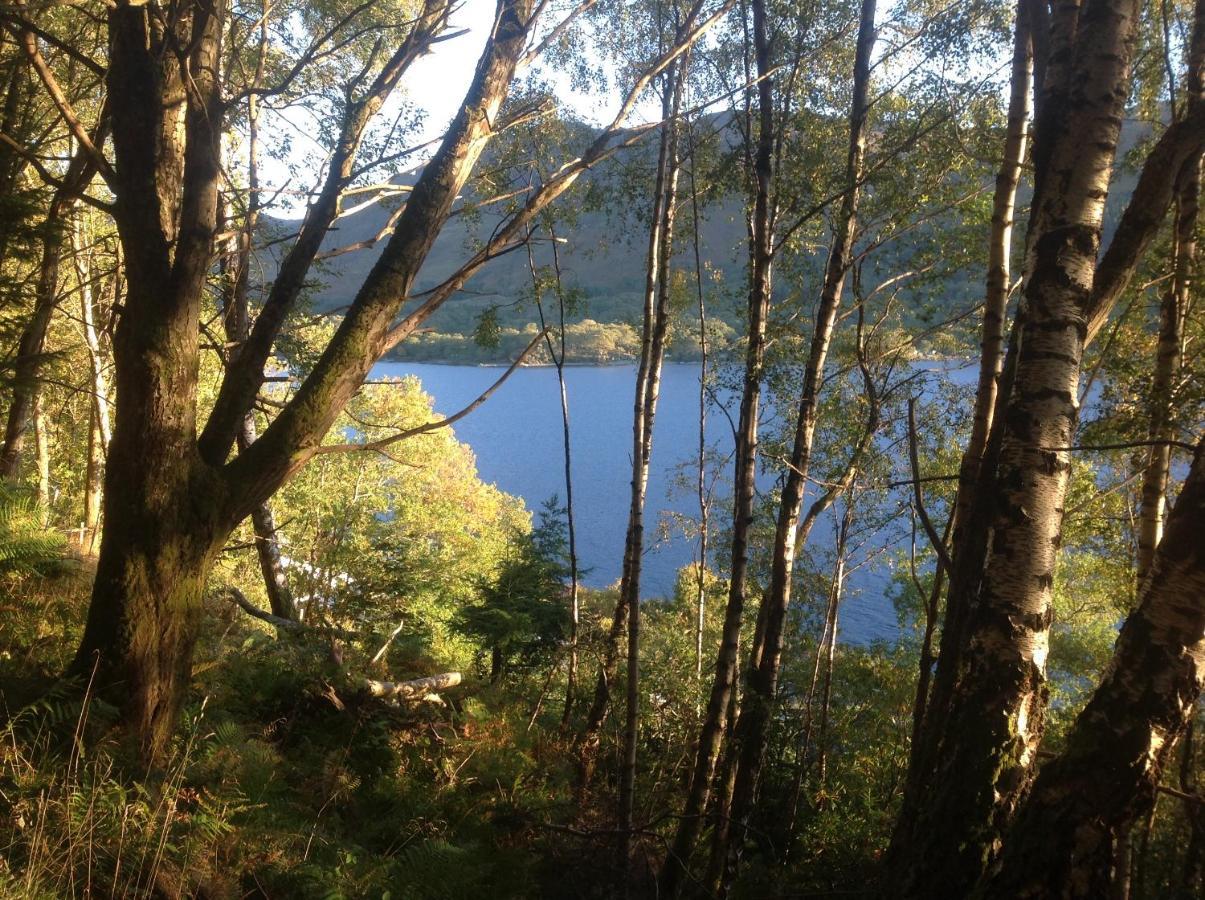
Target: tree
{"points": [[984, 720]]}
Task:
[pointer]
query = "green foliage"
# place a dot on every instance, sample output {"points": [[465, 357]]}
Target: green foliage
{"points": [[27, 547], [522, 615]]}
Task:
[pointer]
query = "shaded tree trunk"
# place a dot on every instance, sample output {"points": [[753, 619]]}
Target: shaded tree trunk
{"points": [[31, 347], [168, 505]]}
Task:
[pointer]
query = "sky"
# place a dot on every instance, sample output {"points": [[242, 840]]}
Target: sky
{"points": [[436, 84]]}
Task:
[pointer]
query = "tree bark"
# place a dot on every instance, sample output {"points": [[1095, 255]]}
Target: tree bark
{"points": [[950, 827], [999, 280], [674, 869], [1167, 366], [42, 454], [1060, 844], [656, 327], [30, 349], [753, 728], [162, 505]]}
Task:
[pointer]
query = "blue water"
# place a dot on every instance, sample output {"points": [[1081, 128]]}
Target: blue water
{"points": [[516, 436]]}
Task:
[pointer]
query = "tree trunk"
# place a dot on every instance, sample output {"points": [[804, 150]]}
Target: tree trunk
{"points": [[99, 427], [701, 481], [556, 352], [648, 390], [93, 484], [42, 443], [30, 349], [162, 504], [753, 729], [999, 279], [991, 360], [674, 870], [1060, 844], [169, 505], [950, 827], [1167, 366], [236, 314]]}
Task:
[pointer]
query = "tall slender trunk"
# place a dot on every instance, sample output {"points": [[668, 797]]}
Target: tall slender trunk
{"points": [[830, 652], [237, 318], [701, 479], [1167, 366], [753, 728], [950, 826], [999, 268], [99, 418], [556, 352], [31, 346], [1060, 843], [656, 326], [803, 747], [53, 233], [93, 483], [675, 870], [648, 373], [571, 519], [41, 435]]}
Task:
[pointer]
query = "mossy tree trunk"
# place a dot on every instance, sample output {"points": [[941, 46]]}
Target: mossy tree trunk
{"points": [[169, 505]]}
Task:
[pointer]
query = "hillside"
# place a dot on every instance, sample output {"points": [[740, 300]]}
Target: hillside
{"points": [[603, 262]]}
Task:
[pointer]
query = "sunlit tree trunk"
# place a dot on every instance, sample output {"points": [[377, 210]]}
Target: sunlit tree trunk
{"points": [[1060, 844], [991, 359], [674, 870], [41, 434], [1000, 242], [557, 353], [656, 326], [950, 827], [1167, 367], [236, 315]]}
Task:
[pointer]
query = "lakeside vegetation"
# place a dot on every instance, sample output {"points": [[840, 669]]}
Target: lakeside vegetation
{"points": [[266, 633]]}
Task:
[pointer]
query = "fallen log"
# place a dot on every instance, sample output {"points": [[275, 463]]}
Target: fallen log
{"points": [[418, 689]]}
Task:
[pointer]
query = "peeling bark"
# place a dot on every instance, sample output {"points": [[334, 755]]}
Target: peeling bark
{"points": [[979, 766], [1061, 842]]}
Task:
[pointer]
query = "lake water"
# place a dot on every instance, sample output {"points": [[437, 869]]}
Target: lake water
{"points": [[516, 436]]}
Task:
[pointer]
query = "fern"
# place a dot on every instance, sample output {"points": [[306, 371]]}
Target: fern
{"points": [[26, 547]]}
